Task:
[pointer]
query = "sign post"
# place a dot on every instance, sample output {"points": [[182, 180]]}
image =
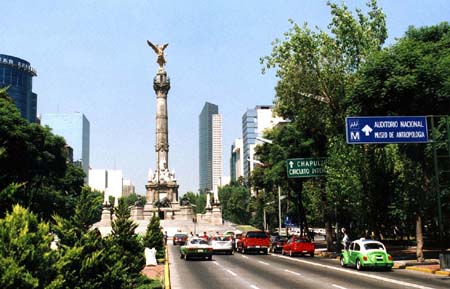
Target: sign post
{"points": [[386, 129], [306, 167]]}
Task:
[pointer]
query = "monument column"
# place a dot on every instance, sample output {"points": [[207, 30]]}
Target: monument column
{"points": [[162, 187], [161, 85]]}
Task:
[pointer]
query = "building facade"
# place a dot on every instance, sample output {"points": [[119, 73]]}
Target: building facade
{"points": [[109, 182], [210, 147], [254, 123], [75, 129], [237, 160], [17, 74]]}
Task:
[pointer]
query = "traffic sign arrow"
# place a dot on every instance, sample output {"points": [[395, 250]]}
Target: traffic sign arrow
{"points": [[367, 130], [291, 164]]}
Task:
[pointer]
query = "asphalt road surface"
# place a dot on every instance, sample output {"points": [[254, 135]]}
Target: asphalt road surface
{"points": [[271, 271]]}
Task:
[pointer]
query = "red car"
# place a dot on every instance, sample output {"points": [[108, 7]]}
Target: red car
{"points": [[255, 241], [180, 239], [298, 245]]}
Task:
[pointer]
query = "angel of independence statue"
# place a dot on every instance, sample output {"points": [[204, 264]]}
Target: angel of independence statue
{"points": [[159, 50]]}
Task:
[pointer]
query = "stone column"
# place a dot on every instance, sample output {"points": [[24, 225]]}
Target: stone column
{"points": [[161, 85]]}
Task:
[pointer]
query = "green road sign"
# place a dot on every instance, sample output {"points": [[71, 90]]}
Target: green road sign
{"points": [[306, 168]]}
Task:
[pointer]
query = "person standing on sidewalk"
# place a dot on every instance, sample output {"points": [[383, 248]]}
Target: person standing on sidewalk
{"points": [[345, 239]]}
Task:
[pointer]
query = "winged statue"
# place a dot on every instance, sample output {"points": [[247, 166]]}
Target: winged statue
{"points": [[159, 50]]}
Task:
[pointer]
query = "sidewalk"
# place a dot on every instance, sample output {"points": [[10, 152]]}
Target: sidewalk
{"points": [[405, 258]]}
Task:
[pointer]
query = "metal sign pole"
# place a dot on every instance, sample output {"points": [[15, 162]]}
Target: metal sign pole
{"points": [[436, 178]]}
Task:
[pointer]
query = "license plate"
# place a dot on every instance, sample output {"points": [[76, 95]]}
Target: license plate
{"points": [[199, 251], [257, 246]]}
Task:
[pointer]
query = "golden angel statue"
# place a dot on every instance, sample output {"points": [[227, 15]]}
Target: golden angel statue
{"points": [[159, 50]]}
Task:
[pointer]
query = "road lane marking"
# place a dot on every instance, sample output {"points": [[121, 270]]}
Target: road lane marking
{"points": [[337, 286], [216, 263], [267, 264], [244, 257], [232, 273], [292, 272], [357, 273], [254, 287]]}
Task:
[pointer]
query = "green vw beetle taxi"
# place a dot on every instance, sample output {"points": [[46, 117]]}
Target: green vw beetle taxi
{"points": [[196, 247], [365, 253]]}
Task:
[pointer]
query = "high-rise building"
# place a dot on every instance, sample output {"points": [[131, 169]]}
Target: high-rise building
{"points": [[110, 182], [254, 122], [210, 147], [237, 160], [17, 74], [75, 129]]}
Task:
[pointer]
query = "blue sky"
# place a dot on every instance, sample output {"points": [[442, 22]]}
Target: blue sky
{"points": [[92, 57]]}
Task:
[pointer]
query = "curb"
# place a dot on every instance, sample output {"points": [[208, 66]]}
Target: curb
{"points": [[166, 269], [429, 271]]}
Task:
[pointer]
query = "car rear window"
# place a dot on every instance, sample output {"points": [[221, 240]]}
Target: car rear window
{"points": [[222, 238], [301, 240], [180, 236], [260, 235], [199, 241], [373, 246]]}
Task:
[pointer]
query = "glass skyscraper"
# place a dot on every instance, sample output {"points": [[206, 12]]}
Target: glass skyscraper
{"points": [[254, 122], [210, 147], [17, 74], [75, 129]]}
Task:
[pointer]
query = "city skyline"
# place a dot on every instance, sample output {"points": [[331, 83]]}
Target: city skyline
{"points": [[92, 58]]}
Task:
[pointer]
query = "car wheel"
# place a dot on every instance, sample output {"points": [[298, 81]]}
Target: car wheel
{"points": [[231, 252], [266, 251], [341, 261], [210, 257], [358, 265], [181, 256], [311, 254], [186, 257]]}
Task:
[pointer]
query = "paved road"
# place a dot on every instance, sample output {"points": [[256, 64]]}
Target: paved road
{"points": [[276, 271]]}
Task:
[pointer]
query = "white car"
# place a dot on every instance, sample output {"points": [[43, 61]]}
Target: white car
{"points": [[222, 243]]}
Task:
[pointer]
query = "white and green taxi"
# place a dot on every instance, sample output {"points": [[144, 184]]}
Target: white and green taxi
{"points": [[196, 248], [365, 253]]}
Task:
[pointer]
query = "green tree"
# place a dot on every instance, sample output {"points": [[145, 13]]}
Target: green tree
{"points": [[154, 237], [317, 71], [234, 200], [127, 247], [135, 199], [410, 78], [34, 157], [198, 200], [25, 256]]}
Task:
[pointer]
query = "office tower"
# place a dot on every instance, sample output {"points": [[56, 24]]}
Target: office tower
{"points": [[74, 127], [17, 74], [210, 148], [254, 122]]}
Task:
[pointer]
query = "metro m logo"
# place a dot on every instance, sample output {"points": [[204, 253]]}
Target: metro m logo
{"points": [[354, 135]]}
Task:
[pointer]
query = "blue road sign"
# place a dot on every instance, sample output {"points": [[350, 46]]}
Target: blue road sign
{"points": [[386, 129]]}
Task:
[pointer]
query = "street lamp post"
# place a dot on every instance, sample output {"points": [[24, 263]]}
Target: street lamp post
{"points": [[279, 210]]}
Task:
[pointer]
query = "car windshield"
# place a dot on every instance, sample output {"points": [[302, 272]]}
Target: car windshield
{"points": [[260, 235], [199, 241], [374, 246]]}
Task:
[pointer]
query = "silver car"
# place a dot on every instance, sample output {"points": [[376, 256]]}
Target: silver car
{"points": [[222, 243]]}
